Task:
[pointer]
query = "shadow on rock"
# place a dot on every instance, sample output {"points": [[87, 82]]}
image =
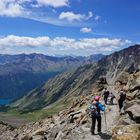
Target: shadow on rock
{"points": [[105, 136]]}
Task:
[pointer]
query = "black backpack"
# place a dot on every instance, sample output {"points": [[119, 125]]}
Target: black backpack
{"points": [[122, 96], [93, 110], [106, 93]]}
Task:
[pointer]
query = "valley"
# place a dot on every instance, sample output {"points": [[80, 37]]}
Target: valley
{"points": [[22, 73], [57, 109], [82, 80]]}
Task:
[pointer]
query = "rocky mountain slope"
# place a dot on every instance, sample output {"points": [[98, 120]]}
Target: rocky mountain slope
{"points": [[21, 73], [74, 123], [81, 81]]}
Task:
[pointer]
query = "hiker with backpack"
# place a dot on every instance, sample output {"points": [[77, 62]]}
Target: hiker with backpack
{"points": [[94, 109], [122, 97], [106, 95], [112, 97]]}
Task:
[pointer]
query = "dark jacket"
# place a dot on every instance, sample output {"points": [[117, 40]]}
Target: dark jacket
{"points": [[122, 96], [99, 107], [106, 93]]}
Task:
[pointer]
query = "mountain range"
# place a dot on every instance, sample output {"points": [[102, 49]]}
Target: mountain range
{"points": [[68, 85], [21, 73]]}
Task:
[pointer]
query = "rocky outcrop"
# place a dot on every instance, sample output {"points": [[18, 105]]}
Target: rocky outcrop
{"points": [[74, 123], [6, 129], [126, 132], [134, 112], [57, 127], [128, 126]]}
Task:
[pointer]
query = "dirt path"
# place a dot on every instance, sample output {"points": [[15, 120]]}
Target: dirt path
{"points": [[108, 122]]}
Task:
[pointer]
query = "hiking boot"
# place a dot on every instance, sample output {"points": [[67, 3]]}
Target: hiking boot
{"points": [[92, 133], [99, 132]]}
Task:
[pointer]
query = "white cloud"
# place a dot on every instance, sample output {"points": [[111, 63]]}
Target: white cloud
{"points": [[90, 15], [59, 44], [32, 10], [18, 41], [53, 3], [85, 30], [10, 8], [13, 8], [71, 16], [97, 18]]}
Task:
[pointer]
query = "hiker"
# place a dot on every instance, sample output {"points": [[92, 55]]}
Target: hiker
{"points": [[106, 95], [121, 99], [94, 109], [111, 95]]}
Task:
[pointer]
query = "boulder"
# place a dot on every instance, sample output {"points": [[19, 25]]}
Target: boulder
{"points": [[75, 113], [125, 120], [131, 103], [126, 132], [59, 135], [39, 132], [84, 120], [133, 95], [135, 88], [26, 137], [134, 112], [38, 137]]}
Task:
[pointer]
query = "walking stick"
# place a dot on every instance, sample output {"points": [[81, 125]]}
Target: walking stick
{"points": [[105, 126], [105, 121]]}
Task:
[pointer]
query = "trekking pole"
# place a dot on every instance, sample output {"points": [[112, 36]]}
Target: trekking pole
{"points": [[105, 126], [105, 121]]}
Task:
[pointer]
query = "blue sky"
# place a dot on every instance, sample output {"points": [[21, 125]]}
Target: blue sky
{"points": [[64, 27]]}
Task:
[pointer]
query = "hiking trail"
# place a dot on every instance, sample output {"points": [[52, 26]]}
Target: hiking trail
{"points": [[109, 120]]}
